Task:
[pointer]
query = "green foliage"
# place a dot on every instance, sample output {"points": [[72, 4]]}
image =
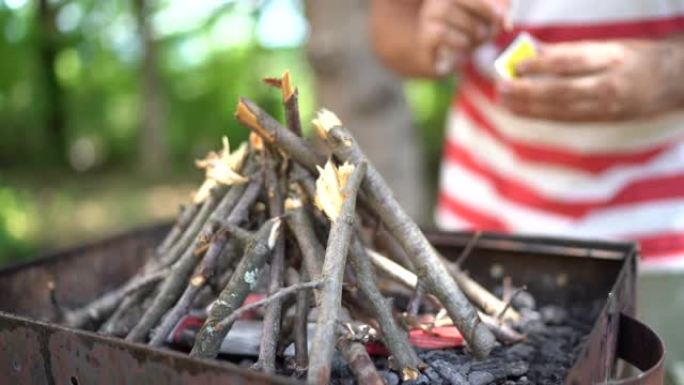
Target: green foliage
{"points": [[430, 101], [14, 225], [205, 61]]}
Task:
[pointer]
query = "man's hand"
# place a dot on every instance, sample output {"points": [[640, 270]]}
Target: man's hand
{"points": [[598, 81], [456, 27]]}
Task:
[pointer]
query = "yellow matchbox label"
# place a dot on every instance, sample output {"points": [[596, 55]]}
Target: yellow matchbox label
{"points": [[523, 47]]}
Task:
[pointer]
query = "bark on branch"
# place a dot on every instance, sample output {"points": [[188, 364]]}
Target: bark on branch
{"points": [[425, 259], [332, 274], [243, 280]]}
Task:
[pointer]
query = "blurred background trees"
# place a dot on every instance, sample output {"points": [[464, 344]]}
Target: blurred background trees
{"points": [[105, 104]]}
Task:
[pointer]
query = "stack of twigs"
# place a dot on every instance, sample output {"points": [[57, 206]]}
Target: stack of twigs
{"points": [[277, 212]]}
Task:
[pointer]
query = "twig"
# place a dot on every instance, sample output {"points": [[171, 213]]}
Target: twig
{"points": [[359, 362], [290, 101], [416, 300], [299, 223], [244, 279], [189, 235], [184, 219], [332, 274], [271, 322], [519, 290], [300, 324], [277, 296], [395, 339], [480, 296], [60, 312], [257, 120], [172, 287], [385, 241], [468, 248], [503, 332], [354, 352], [102, 307], [425, 259], [207, 266], [393, 269], [126, 314]]}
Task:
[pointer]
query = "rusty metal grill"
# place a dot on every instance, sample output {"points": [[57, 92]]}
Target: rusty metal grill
{"points": [[555, 270]]}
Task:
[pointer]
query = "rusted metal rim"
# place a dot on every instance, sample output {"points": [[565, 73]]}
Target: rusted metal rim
{"points": [[640, 346]]}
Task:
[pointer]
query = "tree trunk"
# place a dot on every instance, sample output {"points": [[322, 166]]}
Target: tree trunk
{"points": [[152, 137], [366, 97], [48, 46]]}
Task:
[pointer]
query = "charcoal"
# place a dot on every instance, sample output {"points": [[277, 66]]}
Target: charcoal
{"points": [[524, 300], [516, 368], [435, 378], [449, 372], [553, 315], [480, 378], [390, 377], [519, 352], [445, 355]]}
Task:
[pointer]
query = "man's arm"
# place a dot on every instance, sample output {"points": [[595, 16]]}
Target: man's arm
{"points": [[394, 35], [407, 34]]}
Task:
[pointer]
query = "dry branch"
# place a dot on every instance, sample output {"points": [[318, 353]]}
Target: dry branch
{"points": [[290, 101], [480, 296], [244, 279], [301, 320], [300, 225], [395, 339], [275, 297], [184, 219], [259, 121], [332, 274], [103, 306], [172, 287], [207, 266], [271, 322], [425, 259]]}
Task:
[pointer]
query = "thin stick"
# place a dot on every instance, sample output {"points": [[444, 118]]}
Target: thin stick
{"points": [[416, 300], [277, 296], [207, 267], [354, 352], [510, 301], [395, 338], [300, 324], [173, 287], [425, 259], [480, 296], [299, 223], [332, 274], [475, 292], [468, 248], [359, 362], [103, 306], [271, 323], [259, 121], [290, 101], [395, 270], [385, 241], [243, 281], [184, 219], [189, 235]]}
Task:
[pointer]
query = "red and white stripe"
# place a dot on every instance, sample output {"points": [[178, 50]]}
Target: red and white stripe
{"points": [[622, 180]]}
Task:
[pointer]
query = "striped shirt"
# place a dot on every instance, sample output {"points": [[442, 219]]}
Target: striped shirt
{"points": [[622, 181]]}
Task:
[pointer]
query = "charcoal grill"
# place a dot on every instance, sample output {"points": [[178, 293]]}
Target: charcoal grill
{"points": [[556, 271]]}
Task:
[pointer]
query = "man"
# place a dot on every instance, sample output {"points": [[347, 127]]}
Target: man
{"points": [[588, 141]]}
